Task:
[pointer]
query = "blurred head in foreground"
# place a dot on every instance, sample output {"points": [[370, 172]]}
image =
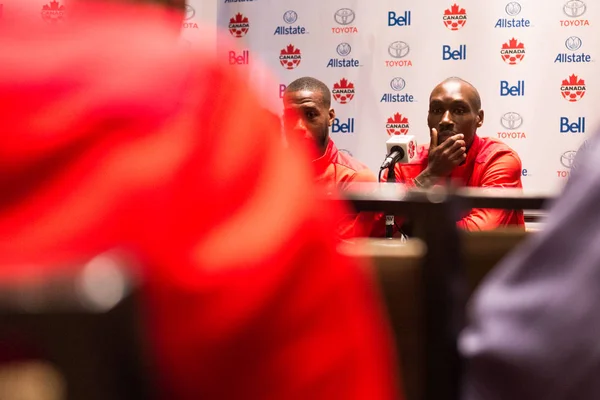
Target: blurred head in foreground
{"points": [[129, 141]]}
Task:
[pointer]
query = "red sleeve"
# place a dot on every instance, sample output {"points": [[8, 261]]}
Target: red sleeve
{"points": [[253, 301], [360, 224], [502, 172]]}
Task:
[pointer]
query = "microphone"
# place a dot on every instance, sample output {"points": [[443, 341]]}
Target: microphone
{"points": [[401, 149]]}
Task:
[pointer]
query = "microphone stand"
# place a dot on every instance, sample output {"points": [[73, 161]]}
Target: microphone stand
{"points": [[389, 219]]}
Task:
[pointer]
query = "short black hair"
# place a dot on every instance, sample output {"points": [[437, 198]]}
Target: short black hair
{"points": [[312, 84], [476, 100]]}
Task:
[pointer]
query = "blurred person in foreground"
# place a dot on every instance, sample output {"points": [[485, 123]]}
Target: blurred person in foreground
{"points": [[457, 155], [123, 139], [307, 116], [534, 321]]}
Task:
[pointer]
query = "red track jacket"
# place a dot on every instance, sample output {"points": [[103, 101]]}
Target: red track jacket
{"points": [[114, 137], [335, 171], [490, 163]]}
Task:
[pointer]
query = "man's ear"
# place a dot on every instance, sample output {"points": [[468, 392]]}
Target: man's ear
{"points": [[331, 116], [480, 118]]}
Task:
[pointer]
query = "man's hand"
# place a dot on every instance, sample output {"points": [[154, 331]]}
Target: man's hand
{"points": [[443, 158]]}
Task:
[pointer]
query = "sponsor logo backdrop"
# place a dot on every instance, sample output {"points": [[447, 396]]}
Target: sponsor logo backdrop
{"points": [[534, 64]]}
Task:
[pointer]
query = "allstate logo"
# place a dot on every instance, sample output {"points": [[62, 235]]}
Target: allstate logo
{"points": [[573, 43], [344, 16], [511, 121], [567, 158], [290, 16], [397, 84], [513, 8], [343, 49], [574, 8], [398, 49], [189, 12]]}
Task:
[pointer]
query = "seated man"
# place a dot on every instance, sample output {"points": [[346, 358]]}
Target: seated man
{"points": [[308, 115], [457, 154]]}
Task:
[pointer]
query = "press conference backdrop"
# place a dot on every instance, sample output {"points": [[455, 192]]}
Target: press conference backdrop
{"points": [[533, 62]]}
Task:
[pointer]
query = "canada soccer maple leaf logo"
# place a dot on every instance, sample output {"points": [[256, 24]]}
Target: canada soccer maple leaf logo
{"points": [[290, 57], [411, 149], [238, 25], [512, 52], [455, 17], [573, 88], [343, 91], [53, 12], [397, 125]]}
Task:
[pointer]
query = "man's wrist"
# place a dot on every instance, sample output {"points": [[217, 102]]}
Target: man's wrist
{"points": [[424, 180]]}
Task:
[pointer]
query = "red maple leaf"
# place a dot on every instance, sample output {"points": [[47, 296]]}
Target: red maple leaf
{"points": [[455, 9], [53, 6], [290, 49], [512, 44], [573, 80], [397, 119], [239, 18], [343, 84]]}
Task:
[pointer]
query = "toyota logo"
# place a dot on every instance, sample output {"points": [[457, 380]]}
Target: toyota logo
{"points": [[573, 43], [574, 8], [189, 12], [567, 158], [398, 49], [513, 8], [397, 84], [343, 49], [290, 17], [511, 121], [344, 16]]}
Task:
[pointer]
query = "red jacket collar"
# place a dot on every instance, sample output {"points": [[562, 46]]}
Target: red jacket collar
{"points": [[320, 164]]}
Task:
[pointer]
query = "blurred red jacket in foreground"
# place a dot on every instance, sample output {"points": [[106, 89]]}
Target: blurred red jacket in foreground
{"points": [[114, 137]]}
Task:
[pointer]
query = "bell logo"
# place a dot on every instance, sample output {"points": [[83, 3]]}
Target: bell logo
{"points": [[507, 90], [455, 17], [343, 91], [290, 57], [449, 54], [397, 125], [282, 88], [572, 127], [400, 20], [53, 12], [342, 127], [244, 59], [512, 52], [238, 25], [573, 88]]}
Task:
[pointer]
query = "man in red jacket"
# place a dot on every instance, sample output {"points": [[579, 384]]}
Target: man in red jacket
{"points": [[307, 116], [117, 139], [458, 155]]}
